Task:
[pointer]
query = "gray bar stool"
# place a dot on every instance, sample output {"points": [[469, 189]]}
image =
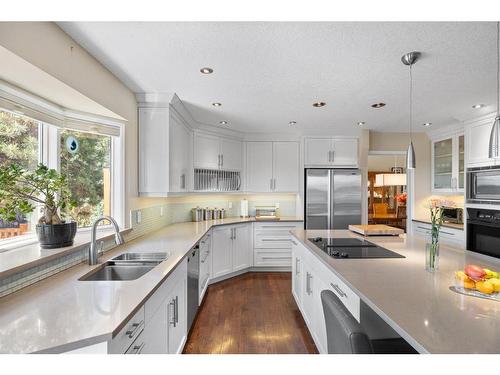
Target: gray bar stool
{"points": [[346, 336]]}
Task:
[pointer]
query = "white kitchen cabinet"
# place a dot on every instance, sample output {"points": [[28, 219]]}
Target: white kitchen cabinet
{"points": [[273, 244], [164, 152], [154, 338], [222, 248], [273, 167], [297, 259], [205, 264], [477, 139], [331, 152], [177, 314], [231, 249], [242, 250], [286, 166], [447, 235], [214, 152], [448, 171], [259, 171]]}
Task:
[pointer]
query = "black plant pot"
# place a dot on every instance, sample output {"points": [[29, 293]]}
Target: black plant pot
{"points": [[56, 235]]}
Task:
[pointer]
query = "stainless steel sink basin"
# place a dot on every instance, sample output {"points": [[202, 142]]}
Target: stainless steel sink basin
{"points": [[143, 257], [120, 271]]}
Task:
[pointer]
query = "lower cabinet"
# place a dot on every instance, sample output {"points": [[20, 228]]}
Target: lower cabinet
{"points": [[205, 264], [231, 249], [272, 244], [310, 277], [447, 235], [160, 326]]}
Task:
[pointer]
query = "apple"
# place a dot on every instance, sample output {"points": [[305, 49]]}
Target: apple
{"points": [[475, 272]]}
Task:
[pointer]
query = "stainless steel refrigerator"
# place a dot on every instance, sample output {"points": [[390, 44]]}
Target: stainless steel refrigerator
{"points": [[332, 198]]}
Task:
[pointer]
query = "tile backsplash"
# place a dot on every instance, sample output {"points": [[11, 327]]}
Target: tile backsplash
{"points": [[175, 210]]}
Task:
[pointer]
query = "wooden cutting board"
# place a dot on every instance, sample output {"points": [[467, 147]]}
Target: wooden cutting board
{"points": [[376, 230]]}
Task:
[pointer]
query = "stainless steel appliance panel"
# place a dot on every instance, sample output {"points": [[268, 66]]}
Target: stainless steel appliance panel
{"points": [[346, 199], [332, 198], [318, 191], [193, 277], [483, 184]]}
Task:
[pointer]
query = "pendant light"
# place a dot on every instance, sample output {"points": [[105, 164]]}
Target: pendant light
{"points": [[409, 59], [494, 150]]}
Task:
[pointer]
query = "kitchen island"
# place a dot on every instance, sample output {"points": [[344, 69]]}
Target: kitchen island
{"points": [[417, 304]]}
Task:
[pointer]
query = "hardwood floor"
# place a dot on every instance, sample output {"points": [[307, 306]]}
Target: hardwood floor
{"points": [[251, 313]]}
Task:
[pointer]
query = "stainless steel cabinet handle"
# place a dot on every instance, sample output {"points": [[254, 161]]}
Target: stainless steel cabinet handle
{"points": [[172, 304], [176, 309], [297, 266], [137, 349], [183, 181], [135, 327], [234, 233], [277, 257], [308, 283], [295, 243], [339, 291], [275, 239]]}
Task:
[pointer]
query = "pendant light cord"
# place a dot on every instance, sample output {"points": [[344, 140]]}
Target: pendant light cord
{"points": [[498, 68], [411, 101]]}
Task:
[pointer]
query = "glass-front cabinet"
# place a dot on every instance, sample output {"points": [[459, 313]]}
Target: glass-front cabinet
{"points": [[448, 164]]}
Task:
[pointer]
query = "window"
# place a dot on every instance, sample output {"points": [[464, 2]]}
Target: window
{"points": [[89, 155], [87, 164], [20, 144]]}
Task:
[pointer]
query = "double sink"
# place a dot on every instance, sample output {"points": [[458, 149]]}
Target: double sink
{"points": [[127, 266]]}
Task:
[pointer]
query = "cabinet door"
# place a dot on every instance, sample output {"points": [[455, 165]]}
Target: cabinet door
{"points": [[222, 243], [478, 141], [461, 161], [242, 249], [259, 166], [177, 316], [318, 151], [206, 151], [205, 265], [153, 151], [443, 164], [180, 155], [345, 152], [231, 151], [155, 334], [308, 305], [286, 166], [297, 273]]}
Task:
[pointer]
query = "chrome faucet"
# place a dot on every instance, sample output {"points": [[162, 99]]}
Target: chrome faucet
{"points": [[93, 252]]}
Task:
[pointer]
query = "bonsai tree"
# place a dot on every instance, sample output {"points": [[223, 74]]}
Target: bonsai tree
{"points": [[21, 189]]}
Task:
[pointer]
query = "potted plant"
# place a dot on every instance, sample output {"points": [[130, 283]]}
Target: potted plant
{"points": [[21, 190]]}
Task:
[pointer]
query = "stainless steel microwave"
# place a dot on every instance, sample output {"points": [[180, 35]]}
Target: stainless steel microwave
{"points": [[483, 185]]}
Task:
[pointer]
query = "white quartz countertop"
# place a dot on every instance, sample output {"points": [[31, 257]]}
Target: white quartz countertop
{"points": [[61, 313], [418, 304]]}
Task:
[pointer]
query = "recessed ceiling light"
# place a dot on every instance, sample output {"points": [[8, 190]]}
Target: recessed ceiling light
{"points": [[319, 104], [378, 105], [427, 124], [477, 106], [292, 123], [206, 70], [223, 122], [216, 104], [361, 123]]}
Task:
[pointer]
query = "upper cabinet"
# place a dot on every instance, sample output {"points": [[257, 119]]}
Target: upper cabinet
{"points": [[214, 152], [164, 152], [477, 134], [272, 167], [448, 164], [331, 152]]}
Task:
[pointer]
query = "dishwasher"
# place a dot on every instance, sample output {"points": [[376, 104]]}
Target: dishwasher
{"points": [[193, 276]]}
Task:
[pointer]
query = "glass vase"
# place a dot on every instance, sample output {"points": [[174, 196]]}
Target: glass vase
{"points": [[432, 254]]}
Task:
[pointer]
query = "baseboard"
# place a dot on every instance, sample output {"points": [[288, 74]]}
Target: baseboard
{"points": [[249, 269]]}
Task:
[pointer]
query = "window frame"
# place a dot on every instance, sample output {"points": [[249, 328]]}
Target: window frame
{"points": [[49, 154]]}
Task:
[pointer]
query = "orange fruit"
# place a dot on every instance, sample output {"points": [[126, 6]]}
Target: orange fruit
{"points": [[469, 284], [485, 287]]}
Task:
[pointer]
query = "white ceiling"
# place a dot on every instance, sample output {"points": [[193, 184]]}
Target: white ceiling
{"points": [[267, 74]]}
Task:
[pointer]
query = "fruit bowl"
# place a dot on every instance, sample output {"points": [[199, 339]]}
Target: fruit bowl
{"points": [[477, 282]]}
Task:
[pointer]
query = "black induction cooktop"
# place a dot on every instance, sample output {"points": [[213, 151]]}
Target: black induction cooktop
{"points": [[352, 248]]}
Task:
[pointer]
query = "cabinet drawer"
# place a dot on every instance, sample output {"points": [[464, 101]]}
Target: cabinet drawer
{"points": [[273, 257], [138, 345], [274, 236], [132, 329], [341, 290]]}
